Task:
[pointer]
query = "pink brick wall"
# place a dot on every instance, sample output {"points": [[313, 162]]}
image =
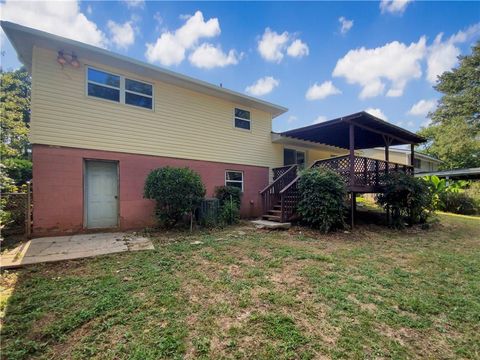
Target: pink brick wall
{"points": [[58, 186]]}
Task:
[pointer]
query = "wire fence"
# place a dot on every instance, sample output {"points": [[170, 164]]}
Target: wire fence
{"points": [[17, 213]]}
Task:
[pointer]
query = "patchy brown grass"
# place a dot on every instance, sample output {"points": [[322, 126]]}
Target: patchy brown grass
{"points": [[247, 293]]}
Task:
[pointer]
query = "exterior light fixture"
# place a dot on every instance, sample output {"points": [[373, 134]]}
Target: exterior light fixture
{"points": [[74, 62], [61, 58], [72, 59]]}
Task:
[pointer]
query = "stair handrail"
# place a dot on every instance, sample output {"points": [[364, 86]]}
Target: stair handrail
{"points": [[298, 177], [279, 178]]}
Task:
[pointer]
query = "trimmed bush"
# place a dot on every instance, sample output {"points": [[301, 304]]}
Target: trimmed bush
{"points": [[177, 192], [410, 199], [227, 193], [322, 199], [458, 203]]}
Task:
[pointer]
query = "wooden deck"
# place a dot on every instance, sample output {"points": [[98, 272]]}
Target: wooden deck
{"points": [[363, 175]]}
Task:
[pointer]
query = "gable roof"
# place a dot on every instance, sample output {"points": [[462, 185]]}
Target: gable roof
{"points": [[24, 39], [369, 132]]}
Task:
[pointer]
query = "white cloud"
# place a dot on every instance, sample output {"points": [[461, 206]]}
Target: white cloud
{"points": [[318, 92], [422, 108], [345, 24], [208, 56], [134, 3], [395, 62], [442, 55], [122, 35], [170, 47], [319, 119], [60, 18], [298, 49], [272, 45], [89, 9], [263, 86], [394, 6], [292, 119], [377, 112], [409, 124]]}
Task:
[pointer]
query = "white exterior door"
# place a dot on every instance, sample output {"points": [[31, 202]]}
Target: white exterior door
{"points": [[101, 194]]}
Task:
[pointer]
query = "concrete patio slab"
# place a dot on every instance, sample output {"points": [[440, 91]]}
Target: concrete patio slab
{"points": [[60, 248], [266, 224]]}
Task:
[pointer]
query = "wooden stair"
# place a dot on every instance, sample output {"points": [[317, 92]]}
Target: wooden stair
{"points": [[274, 214]]}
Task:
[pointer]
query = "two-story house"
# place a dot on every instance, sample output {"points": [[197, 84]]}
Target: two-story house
{"points": [[100, 122]]}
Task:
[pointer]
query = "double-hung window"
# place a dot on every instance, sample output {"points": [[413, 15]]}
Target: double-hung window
{"points": [[103, 85], [242, 119], [138, 93], [118, 88], [234, 178]]}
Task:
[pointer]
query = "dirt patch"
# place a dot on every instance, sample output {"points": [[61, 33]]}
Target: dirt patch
{"points": [[64, 349]]}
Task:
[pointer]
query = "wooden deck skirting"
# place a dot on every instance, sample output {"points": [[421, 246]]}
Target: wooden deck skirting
{"points": [[363, 175]]}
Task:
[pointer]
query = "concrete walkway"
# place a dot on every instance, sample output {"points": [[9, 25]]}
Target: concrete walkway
{"points": [[71, 247]]}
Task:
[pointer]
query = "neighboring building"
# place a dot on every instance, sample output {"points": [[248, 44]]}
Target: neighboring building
{"points": [[422, 162], [100, 122]]}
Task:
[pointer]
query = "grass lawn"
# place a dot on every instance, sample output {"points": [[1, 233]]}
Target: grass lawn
{"points": [[244, 293]]}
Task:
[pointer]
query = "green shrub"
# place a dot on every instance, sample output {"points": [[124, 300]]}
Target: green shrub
{"points": [[474, 191], [410, 199], [177, 191], [322, 199], [458, 203], [227, 193], [229, 213], [20, 170]]}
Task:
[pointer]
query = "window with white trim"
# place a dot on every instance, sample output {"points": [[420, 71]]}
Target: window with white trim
{"points": [[234, 178], [117, 88], [242, 119]]}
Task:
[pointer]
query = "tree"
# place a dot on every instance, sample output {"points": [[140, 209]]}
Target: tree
{"points": [[454, 132], [15, 90]]}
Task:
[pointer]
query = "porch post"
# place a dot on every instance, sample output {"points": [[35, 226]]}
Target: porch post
{"points": [[352, 154], [352, 173], [412, 157], [353, 204]]}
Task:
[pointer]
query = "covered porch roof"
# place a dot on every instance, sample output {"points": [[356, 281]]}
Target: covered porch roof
{"points": [[368, 132]]}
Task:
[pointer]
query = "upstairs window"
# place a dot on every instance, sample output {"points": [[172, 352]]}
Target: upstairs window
{"points": [[117, 88], [103, 85], [138, 93], [234, 178], [242, 119]]}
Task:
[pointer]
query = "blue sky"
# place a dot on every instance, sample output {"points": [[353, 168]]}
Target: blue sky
{"points": [[385, 59]]}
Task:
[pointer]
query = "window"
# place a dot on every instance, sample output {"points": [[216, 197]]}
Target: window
{"points": [[242, 119], [103, 85], [138, 93], [417, 163], [234, 178], [291, 157], [118, 88]]}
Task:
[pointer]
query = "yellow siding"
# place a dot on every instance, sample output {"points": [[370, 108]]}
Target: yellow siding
{"points": [[314, 155], [394, 157], [184, 123]]}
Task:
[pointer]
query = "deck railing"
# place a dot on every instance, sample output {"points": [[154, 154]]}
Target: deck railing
{"points": [[368, 176], [368, 173], [271, 194], [277, 172]]}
